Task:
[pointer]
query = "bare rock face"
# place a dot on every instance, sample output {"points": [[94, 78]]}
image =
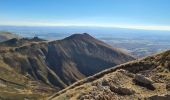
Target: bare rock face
{"points": [[143, 81]]}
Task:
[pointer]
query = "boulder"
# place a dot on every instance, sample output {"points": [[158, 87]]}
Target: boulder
{"points": [[122, 90], [144, 81]]}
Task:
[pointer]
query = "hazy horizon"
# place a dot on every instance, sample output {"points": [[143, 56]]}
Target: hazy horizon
{"points": [[132, 14]]}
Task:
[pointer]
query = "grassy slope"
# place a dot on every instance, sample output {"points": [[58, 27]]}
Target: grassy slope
{"points": [[15, 86]]}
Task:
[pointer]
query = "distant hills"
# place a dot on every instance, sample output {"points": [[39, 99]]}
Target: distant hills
{"points": [[144, 79], [140, 43], [7, 35], [51, 66]]}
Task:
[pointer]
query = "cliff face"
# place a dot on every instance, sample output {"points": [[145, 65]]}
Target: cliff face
{"points": [[62, 62], [147, 78]]}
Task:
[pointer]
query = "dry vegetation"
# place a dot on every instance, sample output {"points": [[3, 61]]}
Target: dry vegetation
{"points": [[14, 86]]}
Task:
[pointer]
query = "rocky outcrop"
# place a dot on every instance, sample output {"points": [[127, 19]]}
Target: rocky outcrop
{"points": [[122, 90], [143, 81]]}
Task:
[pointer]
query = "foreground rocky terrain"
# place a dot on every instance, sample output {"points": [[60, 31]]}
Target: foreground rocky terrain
{"points": [[35, 68], [143, 79]]}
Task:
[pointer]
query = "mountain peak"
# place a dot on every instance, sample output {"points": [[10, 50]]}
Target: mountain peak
{"points": [[79, 36]]}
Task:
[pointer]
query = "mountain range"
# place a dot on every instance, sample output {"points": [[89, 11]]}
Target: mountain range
{"points": [[79, 67], [41, 67]]}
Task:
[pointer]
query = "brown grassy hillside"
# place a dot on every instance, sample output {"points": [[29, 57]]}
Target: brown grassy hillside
{"points": [[15, 86]]}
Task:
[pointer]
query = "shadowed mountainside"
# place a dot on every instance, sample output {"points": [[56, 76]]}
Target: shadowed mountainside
{"points": [[143, 79]]}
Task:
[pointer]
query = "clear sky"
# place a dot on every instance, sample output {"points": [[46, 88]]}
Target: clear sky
{"points": [[140, 14]]}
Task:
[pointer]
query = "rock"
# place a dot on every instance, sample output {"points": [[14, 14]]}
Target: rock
{"points": [[122, 90], [105, 82], [158, 97], [126, 73], [143, 81], [168, 87]]}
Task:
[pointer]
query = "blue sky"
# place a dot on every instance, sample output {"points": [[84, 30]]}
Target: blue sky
{"points": [[140, 14]]}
